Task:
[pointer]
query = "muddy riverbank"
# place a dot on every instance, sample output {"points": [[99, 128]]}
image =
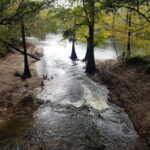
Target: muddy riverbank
{"points": [[129, 88], [13, 89]]}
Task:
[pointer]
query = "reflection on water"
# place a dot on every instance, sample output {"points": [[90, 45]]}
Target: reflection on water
{"points": [[76, 114]]}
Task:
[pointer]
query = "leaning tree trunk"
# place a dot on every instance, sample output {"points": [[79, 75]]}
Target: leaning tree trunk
{"points": [[73, 53], [91, 60], [26, 73]]}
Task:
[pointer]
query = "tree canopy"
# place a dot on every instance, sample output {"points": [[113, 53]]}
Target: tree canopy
{"points": [[87, 21]]}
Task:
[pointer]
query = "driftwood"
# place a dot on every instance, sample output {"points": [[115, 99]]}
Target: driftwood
{"points": [[18, 50]]}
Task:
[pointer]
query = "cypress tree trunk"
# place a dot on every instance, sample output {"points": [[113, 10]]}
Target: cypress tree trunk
{"points": [[129, 17], [26, 73], [87, 51], [91, 60], [73, 54]]}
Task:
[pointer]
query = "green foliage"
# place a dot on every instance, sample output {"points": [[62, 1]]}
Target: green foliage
{"points": [[100, 37], [43, 23], [7, 33], [139, 60], [2, 50], [117, 25], [11, 13], [110, 20], [37, 21], [143, 61], [73, 21], [135, 60]]}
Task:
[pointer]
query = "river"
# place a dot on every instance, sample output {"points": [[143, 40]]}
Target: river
{"points": [[76, 114]]}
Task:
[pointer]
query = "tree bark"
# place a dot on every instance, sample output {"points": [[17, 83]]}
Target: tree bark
{"points": [[87, 51], [26, 73], [129, 19], [91, 60], [73, 53]]}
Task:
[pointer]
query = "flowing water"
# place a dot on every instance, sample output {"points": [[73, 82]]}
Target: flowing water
{"points": [[76, 114]]}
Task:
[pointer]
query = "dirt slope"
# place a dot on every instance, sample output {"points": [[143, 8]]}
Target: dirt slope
{"points": [[129, 88], [13, 88]]}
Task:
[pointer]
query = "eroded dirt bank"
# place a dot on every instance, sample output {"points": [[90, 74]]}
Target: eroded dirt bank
{"points": [[129, 88], [13, 89]]}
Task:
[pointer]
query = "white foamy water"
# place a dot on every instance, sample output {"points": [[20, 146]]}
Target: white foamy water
{"points": [[69, 84]]}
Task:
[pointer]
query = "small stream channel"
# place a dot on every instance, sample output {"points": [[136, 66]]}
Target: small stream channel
{"points": [[76, 114]]}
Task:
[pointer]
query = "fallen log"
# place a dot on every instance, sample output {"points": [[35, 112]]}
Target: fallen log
{"points": [[18, 50]]}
